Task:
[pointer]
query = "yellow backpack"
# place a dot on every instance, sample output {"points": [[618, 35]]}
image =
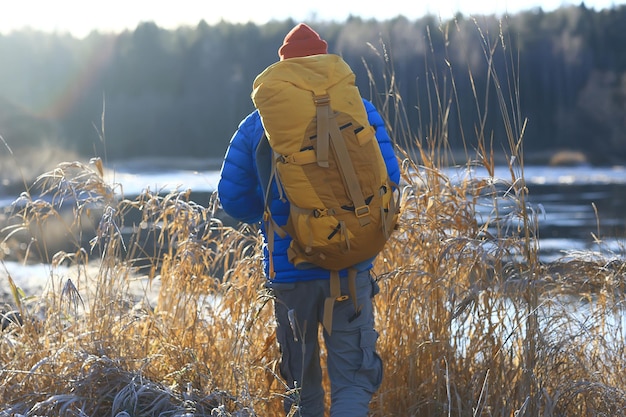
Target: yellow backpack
{"points": [[326, 159]]}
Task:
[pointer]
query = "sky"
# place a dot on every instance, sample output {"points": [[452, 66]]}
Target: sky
{"points": [[80, 17]]}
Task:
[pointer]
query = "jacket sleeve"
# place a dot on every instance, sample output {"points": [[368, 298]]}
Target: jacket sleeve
{"points": [[239, 189], [384, 141]]}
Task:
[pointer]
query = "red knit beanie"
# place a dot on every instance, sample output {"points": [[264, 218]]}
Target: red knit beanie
{"points": [[302, 41]]}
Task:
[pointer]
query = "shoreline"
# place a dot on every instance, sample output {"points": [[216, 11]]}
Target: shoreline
{"points": [[38, 279]]}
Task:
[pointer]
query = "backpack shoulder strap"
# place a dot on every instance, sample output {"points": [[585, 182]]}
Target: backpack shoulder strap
{"points": [[263, 158], [266, 170]]}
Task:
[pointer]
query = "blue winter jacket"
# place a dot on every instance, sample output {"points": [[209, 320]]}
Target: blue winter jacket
{"points": [[241, 192]]}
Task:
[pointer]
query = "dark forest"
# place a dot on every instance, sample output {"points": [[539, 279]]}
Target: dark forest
{"points": [[181, 93]]}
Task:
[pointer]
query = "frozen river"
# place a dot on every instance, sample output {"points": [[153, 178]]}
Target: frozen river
{"points": [[575, 203]]}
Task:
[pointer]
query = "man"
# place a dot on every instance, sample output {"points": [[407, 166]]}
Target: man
{"points": [[354, 367]]}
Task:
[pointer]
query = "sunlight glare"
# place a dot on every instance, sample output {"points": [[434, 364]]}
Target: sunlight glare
{"points": [[80, 17]]}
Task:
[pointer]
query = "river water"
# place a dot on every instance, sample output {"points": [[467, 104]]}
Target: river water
{"points": [[574, 204], [579, 208]]}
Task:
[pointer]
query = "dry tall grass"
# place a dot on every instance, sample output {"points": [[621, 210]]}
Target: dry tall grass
{"points": [[471, 322]]}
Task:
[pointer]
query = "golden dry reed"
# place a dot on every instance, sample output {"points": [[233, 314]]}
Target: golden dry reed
{"points": [[163, 311]]}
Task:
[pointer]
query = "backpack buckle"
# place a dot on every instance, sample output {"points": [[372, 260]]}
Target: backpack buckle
{"points": [[317, 213], [321, 100], [361, 211]]}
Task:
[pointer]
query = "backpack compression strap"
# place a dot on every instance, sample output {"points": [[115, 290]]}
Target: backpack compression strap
{"points": [[322, 105], [328, 131]]}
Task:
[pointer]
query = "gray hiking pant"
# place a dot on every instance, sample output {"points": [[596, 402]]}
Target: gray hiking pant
{"points": [[354, 367]]}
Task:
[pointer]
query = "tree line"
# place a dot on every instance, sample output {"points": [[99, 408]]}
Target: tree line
{"points": [[560, 75]]}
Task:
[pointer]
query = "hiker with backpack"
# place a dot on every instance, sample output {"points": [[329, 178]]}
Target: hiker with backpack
{"points": [[315, 165]]}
